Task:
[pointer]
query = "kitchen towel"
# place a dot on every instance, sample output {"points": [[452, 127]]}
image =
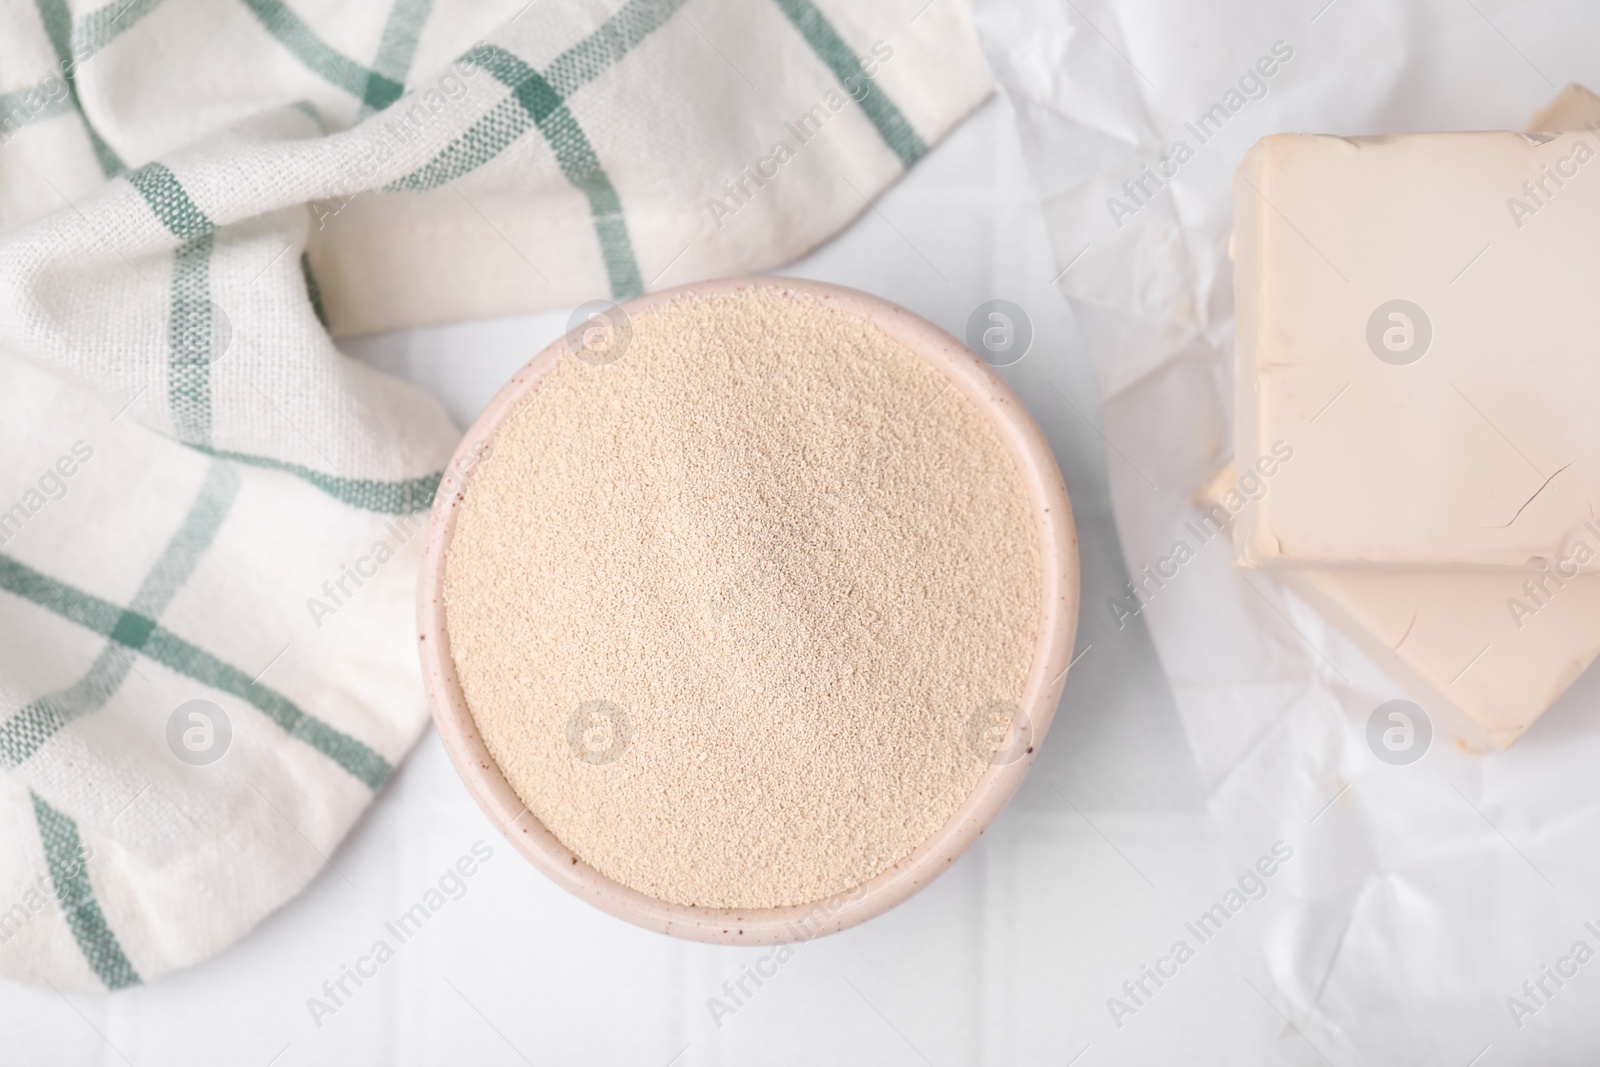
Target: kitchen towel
{"points": [[209, 517]]}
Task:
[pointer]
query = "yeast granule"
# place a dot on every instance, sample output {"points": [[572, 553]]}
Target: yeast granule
{"points": [[725, 608]]}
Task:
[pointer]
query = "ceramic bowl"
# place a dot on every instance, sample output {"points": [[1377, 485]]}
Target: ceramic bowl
{"points": [[1058, 621]]}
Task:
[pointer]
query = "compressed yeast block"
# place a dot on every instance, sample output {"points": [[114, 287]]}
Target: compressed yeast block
{"points": [[1574, 109], [1490, 649], [1415, 320]]}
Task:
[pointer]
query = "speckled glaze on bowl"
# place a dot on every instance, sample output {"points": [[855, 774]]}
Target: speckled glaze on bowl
{"points": [[763, 926]]}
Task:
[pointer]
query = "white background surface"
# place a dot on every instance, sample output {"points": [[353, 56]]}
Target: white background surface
{"points": [[1007, 959]]}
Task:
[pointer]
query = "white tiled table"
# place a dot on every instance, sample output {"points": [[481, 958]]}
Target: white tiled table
{"points": [[1007, 959]]}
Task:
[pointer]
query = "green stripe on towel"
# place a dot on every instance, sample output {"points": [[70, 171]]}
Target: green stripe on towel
{"points": [[369, 494], [190, 331], [313, 290], [103, 25], [539, 100], [143, 634], [825, 41], [172, 651], [398, 45], [57, 19], [68, 865], [17, 110], [37, 722], [189, 367], [483, 140], [616, 37], [26, 732], [93, 32], [322, 59], [170, 201], [189, 325], [543, 107]]}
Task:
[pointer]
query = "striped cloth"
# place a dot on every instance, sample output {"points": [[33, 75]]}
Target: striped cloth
{"points": [[209, 518]]}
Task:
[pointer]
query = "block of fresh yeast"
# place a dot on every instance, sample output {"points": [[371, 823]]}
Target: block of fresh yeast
{"points": [[1574, 108], [1416, 321], [1485, 651]]}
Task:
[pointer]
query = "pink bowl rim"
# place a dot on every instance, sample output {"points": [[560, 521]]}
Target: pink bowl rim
{"points": [[765, 926]]}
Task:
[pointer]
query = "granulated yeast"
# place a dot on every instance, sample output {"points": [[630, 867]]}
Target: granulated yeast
{"points": [[724, 609]]}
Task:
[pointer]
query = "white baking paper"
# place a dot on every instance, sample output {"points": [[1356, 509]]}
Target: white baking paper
{"points": [[1441, 912]]}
